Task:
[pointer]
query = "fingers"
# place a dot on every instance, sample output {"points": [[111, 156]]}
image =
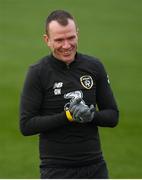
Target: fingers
{"points": [[92, 108], [76, 110], [92, 115], [79, 112], [72, 109], [75, 102]]}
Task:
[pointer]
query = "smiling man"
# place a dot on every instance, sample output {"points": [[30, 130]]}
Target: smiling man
{"points": [[62, 38], [59, 100]]}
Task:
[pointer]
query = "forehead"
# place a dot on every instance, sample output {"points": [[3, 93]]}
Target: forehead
{"points": [[57, 29]]}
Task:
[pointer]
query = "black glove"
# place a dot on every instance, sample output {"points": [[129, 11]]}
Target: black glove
{"points": [[81, 112]]}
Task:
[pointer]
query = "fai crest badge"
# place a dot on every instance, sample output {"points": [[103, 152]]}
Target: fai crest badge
{"points": [[86, 81]]}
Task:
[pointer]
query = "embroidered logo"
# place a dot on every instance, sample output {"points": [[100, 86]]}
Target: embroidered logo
{"points": [[86, 81], [58, 85], [57, 88]]}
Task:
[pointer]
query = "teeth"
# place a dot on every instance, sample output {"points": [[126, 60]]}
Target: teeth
{"points": [[67, 52]]}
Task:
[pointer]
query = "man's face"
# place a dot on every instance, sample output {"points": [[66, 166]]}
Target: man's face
{"points": [[62, 40]]}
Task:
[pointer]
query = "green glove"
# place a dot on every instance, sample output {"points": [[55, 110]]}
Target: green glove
{"points": [[81, 112]]}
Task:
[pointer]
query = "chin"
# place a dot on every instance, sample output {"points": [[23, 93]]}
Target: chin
{"points": [[68, 59]]}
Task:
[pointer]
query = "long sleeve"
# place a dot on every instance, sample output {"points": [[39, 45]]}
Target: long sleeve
{"points": [[108, 113], [31, 120]]}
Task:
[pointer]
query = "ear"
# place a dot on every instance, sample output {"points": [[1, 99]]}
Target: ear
{"points": [[77, 31], [46, 39]]}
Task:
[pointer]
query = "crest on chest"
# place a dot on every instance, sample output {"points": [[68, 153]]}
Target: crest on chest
{"points": [[86, 81]]}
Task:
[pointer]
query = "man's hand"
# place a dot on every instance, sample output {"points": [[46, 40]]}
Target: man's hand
{"points": [[81, 112]]}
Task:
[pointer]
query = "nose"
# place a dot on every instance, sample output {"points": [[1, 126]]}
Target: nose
{"points": [[66, 44]]}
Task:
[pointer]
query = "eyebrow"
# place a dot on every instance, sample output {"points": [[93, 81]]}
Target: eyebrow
{"points": [[58, 39]]}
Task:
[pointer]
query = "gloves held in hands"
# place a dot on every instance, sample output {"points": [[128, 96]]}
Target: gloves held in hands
{"points": [[81, 112]]}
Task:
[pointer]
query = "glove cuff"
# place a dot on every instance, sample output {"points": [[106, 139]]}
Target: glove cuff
{"points": [[69, 116]]}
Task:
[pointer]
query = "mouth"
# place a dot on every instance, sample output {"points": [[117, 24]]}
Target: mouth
{"points": [[67, 52]]}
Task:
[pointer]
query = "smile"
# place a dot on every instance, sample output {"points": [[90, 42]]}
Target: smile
{"points": [[68, 52]]}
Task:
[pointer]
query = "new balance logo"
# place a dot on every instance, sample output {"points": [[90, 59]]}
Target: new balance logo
{"points": [[57, 88], [58, 85]]}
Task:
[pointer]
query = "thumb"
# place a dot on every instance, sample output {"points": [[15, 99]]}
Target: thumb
{"points": [[75, 102], [92, 108]]}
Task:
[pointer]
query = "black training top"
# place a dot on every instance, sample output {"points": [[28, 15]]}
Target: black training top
{"points": [[49, 86]]}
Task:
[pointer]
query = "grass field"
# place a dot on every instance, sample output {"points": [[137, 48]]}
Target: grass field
{"points": [[110, 30]]}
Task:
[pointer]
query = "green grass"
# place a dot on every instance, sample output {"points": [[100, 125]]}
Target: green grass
{"points": [[110, 30]]}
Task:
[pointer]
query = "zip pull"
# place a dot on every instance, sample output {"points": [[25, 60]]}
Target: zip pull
{"points": [[68, 66]]}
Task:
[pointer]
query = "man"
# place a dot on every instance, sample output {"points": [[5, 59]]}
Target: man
{"points": [[59, 102]]}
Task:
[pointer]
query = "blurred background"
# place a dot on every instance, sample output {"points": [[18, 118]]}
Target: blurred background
{"points": [[110, 30]]}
